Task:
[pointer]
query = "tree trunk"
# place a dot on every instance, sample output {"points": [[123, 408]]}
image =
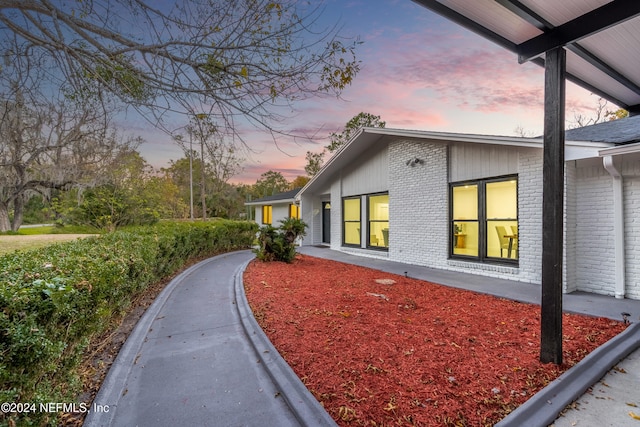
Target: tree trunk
{"points": [[202, 179], [18, 213], [5, 224]]}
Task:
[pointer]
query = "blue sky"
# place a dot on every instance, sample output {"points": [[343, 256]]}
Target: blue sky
{"points": [[418, 71]]}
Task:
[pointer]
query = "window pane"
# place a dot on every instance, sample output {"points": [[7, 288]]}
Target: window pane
{"points": [[351, 215], [502, 239], [352, 233], [502, 200], [379, 208], [465, 202], [351, 209], [379, 234], [465, 238], [266, 214]]}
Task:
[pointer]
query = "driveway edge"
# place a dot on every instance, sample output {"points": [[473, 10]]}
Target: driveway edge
{"points": [[544, 407], [303, 404]]}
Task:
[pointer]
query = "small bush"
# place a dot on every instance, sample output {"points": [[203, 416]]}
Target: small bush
{"points": [[54, 299], [279, 244]]}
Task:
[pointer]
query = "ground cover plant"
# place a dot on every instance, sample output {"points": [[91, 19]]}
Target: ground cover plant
{"points": [[378, 349], [55, 300]]}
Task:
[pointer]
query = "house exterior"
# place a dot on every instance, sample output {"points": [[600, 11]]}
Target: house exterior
{"points": [[473, 203], [270, 210]]}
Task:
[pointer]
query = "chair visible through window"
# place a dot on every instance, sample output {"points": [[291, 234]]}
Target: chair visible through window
{"points": [[503, 239]]}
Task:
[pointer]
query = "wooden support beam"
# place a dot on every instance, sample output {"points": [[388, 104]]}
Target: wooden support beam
{"points": [[553, 207]]}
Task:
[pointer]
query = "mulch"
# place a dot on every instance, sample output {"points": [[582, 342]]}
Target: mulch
{"points": [[378, 349]]}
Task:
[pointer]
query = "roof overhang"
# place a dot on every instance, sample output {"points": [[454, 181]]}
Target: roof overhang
{"points": [[366, 138], [271, 202], [602, 37], [620, 150]]}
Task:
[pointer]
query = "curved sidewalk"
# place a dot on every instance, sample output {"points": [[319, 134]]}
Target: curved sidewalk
{"points": [[197, 357]]}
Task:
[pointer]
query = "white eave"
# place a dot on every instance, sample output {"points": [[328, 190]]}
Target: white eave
{"points": [[620, 150], [367, 137]]}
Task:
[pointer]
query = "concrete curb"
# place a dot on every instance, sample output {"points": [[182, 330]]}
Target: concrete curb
{"points": [[113, 386], [545, 406], [303, 404]]}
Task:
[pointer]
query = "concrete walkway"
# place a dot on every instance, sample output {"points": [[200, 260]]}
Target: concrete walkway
{"points": [[197, 356]]}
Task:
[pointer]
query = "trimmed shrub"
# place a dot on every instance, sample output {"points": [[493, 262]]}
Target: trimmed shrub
{"points": [[279, 244], [55, 299]]}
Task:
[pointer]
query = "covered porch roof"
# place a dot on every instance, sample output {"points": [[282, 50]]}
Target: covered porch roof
{"points": [[601, 37]]}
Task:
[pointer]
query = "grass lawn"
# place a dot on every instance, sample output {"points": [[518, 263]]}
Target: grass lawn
{"points": [[37, 237]]}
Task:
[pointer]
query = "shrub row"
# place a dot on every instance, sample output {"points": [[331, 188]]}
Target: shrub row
{"points": [[53, 300]]}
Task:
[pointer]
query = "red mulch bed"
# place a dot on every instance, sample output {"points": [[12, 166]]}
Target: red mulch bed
{"points": [[408, 353]]}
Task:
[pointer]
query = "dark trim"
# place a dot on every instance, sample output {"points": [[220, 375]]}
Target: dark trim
{"points": [[369, 221], [351, 245], [482, 221], [469, 24], [527, 14], [603, 66], [593, 22]]}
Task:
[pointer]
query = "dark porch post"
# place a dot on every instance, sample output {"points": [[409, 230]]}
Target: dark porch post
{"points": [[553, 206]]}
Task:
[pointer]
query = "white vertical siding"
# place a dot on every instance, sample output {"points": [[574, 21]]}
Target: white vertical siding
{"points": [[469, 161], [369, 174]]}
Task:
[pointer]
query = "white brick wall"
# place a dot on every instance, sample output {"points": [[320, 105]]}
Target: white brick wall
{"points": [[530, 215], [595, 255], [419, 218], [632, 231], [418, 204], [570, 283]]}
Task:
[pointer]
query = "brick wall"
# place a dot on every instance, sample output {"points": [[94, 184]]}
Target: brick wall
{"points": [[632, 228], [595, 255], [418, 199], [530, 215]]}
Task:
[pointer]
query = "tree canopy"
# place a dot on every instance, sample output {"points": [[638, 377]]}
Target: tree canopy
{"points": [[337, 140], [358, 121], [229, 58]]}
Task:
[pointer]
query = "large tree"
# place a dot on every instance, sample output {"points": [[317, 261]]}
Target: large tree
{"points": [[270, 183], [338, 139], [50, 144], [360, 120], [230, 59]]}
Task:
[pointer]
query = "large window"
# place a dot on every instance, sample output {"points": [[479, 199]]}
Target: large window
{"points": [[378, 211], [484, 220], [267, 212], [351, 221]]}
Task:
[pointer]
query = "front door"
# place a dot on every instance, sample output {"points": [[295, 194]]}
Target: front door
{"points": [[326, 222]]}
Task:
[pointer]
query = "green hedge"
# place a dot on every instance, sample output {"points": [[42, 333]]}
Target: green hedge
{"points": [[54, 299]]}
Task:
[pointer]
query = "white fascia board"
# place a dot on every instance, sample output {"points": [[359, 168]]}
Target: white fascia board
{"points": [[270, 202], [620, 150]]}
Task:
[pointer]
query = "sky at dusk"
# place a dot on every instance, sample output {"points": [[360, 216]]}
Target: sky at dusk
{"points": [[418, 71]]}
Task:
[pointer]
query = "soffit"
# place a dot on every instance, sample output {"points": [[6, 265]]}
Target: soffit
{"points": [[604, 60]]}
